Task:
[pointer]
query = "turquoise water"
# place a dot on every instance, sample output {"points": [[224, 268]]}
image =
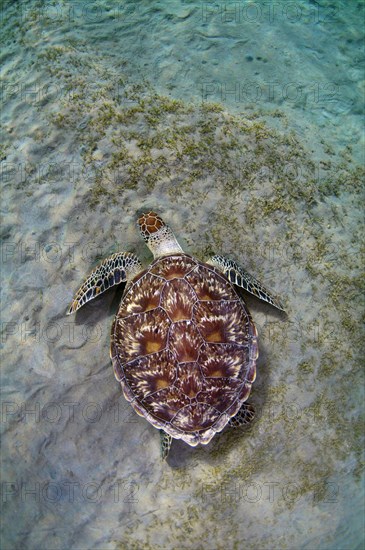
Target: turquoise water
{"points": [[241, 124]]}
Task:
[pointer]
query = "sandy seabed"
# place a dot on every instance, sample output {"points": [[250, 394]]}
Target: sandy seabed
{"points": [[241, 125]]}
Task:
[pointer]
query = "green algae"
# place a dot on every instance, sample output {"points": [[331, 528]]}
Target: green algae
{"points": [[3, 152]]}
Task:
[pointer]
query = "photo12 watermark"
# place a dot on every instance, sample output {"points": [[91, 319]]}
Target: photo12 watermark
{"points": [[69, 11], [251, 492], [314, 94], [67, 412], [125, 491], [267, 12]]}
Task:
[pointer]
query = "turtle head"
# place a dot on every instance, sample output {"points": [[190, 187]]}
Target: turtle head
{"points": [[158, 236]]}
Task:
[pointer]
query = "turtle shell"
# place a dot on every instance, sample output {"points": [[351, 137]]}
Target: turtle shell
{"points": [[184, 348]]}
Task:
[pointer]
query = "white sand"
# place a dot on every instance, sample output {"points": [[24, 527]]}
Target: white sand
{"points": [[80, 470]]}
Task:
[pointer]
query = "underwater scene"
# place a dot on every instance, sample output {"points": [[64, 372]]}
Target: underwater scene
{"points": [[240, 123]]}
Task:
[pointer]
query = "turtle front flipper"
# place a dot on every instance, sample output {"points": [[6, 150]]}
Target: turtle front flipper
{"points": [[244, 416], [165, 440], [116, 269], [238, 276]]}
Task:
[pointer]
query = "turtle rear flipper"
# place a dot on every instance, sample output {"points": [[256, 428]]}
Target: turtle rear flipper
{"points": [[238, 276], [165, 442], [244, 416], [116, 269]]}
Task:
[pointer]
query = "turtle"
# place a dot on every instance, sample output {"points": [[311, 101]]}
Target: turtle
{"points": [[183, 342]]}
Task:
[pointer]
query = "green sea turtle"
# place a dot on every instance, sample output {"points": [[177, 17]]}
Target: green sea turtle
{"points": [[183, 343]]}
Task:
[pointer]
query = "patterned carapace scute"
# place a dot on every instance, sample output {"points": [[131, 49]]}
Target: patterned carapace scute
{"points": [[184, 348]]}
